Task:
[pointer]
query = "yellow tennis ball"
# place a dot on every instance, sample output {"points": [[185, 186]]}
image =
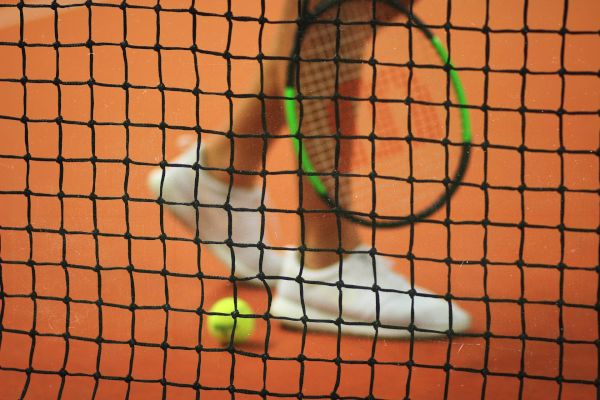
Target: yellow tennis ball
{"points": [[223, 318]]}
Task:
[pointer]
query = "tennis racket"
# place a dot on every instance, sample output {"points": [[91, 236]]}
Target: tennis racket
{"points": [[377, 112]]}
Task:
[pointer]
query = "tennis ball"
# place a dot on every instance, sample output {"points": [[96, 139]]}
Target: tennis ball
{"points": [[221, 320]]}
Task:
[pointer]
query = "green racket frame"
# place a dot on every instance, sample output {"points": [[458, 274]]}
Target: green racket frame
{"points": [[292, 112]]}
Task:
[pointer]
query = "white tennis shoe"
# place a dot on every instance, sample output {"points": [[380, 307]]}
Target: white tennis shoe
{"points": [[325, 295], [234, 240]]}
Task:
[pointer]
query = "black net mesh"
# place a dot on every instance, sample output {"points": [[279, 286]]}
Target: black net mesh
{"points": [[105, 292]]}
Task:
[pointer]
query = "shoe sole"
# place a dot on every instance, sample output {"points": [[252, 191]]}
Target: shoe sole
{"points": [[281, 308]]}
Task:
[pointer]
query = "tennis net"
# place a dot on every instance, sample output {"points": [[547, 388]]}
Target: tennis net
{"points": [[105, 294]]}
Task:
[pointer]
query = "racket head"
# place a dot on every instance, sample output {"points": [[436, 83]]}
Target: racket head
{"points": [[378, 112]]}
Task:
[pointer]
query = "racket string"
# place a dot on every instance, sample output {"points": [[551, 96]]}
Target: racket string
{"points": [[337, 82]]}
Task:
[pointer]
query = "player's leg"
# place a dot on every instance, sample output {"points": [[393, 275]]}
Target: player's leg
{"points": [[323, 230], [253, 120], [199, 173], [254, 116], [334, 276]]}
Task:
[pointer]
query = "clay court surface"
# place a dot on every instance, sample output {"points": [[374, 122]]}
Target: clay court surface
{"points": [[100, 292]]}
